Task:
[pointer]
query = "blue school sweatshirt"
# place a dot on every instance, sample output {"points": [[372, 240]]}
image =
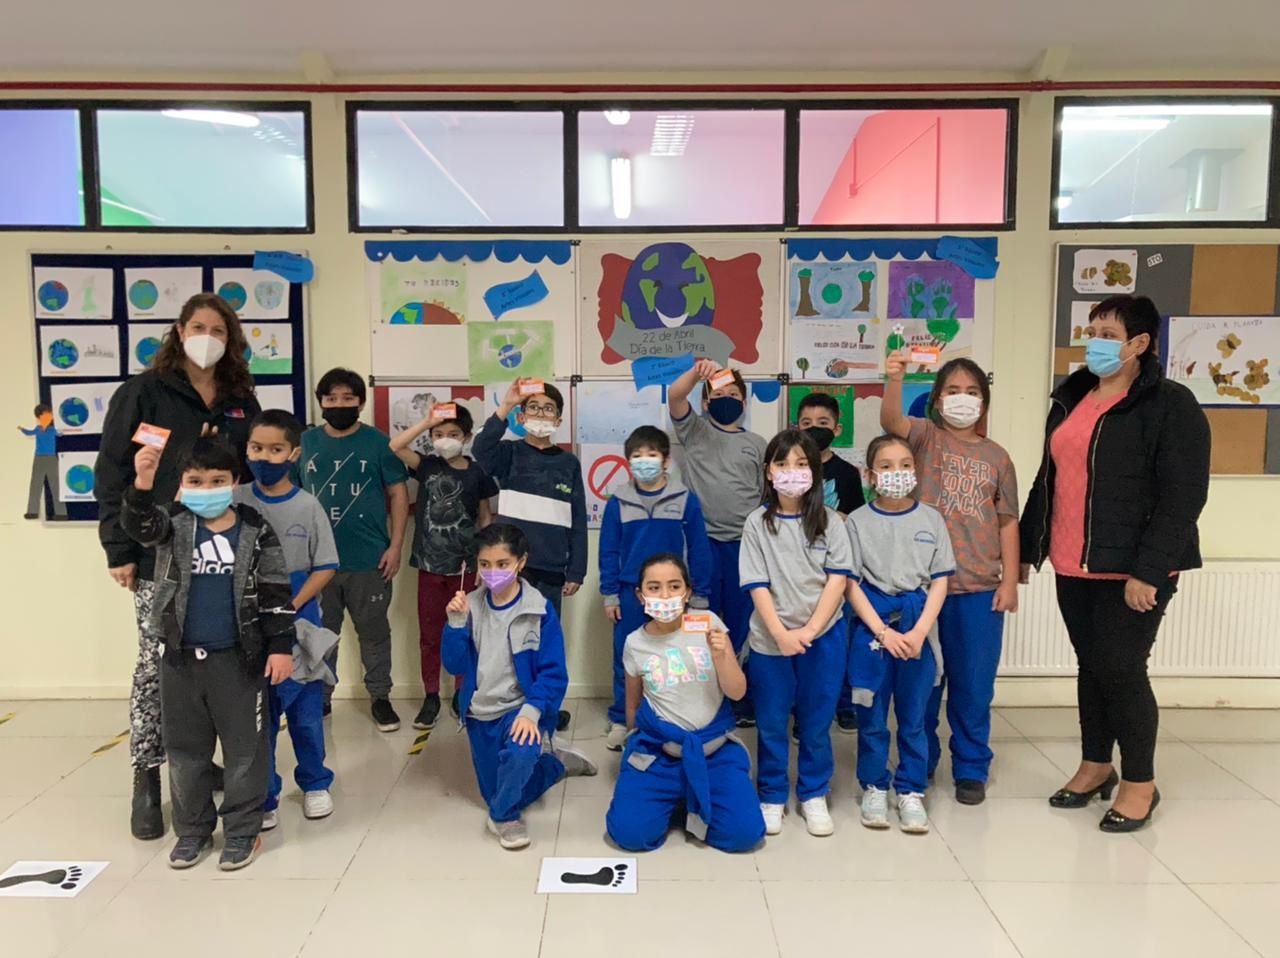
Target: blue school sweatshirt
{"points": [[540, 490], [638, 524]]}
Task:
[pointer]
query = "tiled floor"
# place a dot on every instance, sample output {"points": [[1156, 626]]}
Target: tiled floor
{"points": [[404, 866]]}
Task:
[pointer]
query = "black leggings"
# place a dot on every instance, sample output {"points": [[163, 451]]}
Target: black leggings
{"points": [[1112, 644]]}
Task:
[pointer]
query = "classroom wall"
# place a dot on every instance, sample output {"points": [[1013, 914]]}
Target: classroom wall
{"points": [[69, 630]]}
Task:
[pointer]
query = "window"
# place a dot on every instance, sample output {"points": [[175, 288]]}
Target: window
{"points": [[680, 167], [40, 177], [1186, 161], [457, 168], [922, 165]]}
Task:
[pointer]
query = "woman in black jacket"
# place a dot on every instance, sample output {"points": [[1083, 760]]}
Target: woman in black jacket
{"points": [[1114, 507], [199, 383]]}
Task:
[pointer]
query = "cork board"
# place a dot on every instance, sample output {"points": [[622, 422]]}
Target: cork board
{"points": [[1233, 281], [1239, 441]]}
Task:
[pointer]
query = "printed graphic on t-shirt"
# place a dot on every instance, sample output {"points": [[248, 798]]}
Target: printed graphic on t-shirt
{"points": [[689, 664], [450, 531], [213, 556], [830, 498], [342, 487], [968, 485]]}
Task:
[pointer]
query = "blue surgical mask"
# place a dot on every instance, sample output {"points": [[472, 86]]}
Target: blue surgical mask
{"points": [[726, 410], [1102, 356], [646, 468], [207, 503], [268, 473]]}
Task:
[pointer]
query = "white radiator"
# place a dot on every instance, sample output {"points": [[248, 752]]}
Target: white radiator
{"points": [[1223, 621]]}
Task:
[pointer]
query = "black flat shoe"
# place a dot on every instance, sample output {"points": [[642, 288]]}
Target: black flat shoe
{"points": [[1115, 823], [971, 792], [1065, 798]]}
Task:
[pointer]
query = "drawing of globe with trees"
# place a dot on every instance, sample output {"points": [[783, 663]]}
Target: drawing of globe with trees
{"points": [[73, 411], [63, 354]]}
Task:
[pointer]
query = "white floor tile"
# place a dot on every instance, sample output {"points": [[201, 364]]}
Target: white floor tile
{"points": [[876, 915], [1256, 765], [39, 927], [1222, 841], [1222, 725], [57, 718], [1181, 771], [51, 829], [1138, 921], [1250, 910], [30, 766], [1061, 723]]}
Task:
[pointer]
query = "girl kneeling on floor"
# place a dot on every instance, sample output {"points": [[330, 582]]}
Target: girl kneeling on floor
{"points": [[901, 561], [681, 673], [505, 640]]}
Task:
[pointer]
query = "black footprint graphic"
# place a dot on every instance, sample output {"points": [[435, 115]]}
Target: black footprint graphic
{"points": [[66, 878], [606, 876]]}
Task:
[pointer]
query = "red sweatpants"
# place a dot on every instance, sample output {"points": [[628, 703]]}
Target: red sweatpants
{"points": [[434, 593]]}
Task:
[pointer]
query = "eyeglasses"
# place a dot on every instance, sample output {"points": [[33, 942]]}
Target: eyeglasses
{"points": [[541, 412]]}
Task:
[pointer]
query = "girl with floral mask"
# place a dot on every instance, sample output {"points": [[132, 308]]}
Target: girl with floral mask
{"points": [[901, 562], [795, 561], [505, 640], [970, 479], [681, 672]]}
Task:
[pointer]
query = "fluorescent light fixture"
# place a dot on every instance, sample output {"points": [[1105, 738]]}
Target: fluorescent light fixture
{"points": [[222, 117], [671, 132], [618, 117], [1112, 124], [1063, 201], [1172, 109], [620, 183]]}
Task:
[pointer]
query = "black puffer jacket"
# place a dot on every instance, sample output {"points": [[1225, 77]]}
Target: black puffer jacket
{"points": [[1148, 479], [171, 402]]}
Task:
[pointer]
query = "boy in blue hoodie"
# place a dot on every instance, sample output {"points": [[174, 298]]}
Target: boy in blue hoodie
{"points": [[540, 490], [504, 639], [652, 514]]}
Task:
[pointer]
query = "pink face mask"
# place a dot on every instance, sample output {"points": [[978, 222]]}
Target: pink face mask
{"points": [[498, 580], [793, 482]]}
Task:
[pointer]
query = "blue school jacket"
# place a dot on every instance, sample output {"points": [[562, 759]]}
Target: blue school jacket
{"points": [[638, 524]]}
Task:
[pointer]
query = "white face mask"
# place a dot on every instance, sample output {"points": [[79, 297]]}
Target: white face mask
{"points": [[664, 610], [203, 350], [540, 428], [897, 484], [961, 410], [447, 448]]}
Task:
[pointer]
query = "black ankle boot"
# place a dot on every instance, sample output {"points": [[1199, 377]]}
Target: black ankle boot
{"points": [[146, 821]]}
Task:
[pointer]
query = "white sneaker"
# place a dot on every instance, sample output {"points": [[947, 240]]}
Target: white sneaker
{"points": [[911, 814], [772, 817], [511, 835], [617, 737], [817, 817], [270, 820], [575, 763], [317, 804], [875, 807]]}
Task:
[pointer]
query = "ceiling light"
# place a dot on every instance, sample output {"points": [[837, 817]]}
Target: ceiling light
{"points": [[1112, 124], [1063, 201], [1170, 109], [671, 132], [223, 117], [620, 182], [618, 117]]}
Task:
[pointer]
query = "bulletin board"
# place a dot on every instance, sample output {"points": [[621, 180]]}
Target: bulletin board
{"points": [[471, 311], [100, 318], [1220, 337]]}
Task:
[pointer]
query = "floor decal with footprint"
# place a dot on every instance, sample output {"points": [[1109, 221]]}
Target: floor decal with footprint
{"points": [[608, 875], [48, 879], [65, 878], [589, 876]]}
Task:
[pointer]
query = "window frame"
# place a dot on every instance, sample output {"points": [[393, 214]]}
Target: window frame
{"points": [[570, 109], [91, 179], [1272, 219]]}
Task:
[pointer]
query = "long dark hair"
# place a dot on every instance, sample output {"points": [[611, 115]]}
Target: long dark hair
{"points": [[814, 507], [658, 558], [949, 368], [231, 374]]}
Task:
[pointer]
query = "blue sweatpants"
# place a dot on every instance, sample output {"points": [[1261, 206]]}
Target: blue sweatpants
{"points": [[845, 702], [511, 777], [807, 684], [734, 606], [632, 618], [302, 703], [909, 683], [971, 636], [644, 802]]}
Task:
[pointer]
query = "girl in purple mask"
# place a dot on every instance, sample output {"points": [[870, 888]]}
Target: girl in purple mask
{"points": [[505, 640]]}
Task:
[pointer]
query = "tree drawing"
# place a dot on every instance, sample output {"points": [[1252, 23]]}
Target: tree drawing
{"points": [[862, 332], [805, 307], [803, 365], [866, 278]]}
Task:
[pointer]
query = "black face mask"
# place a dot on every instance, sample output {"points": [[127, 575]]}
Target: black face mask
{"points": [[821, 436], [341, 418]]}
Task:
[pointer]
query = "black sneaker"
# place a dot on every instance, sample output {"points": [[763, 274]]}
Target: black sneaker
{"points": [[971, 792], [453, 704], [239, 852], [189, 852], [327, 709], [384, 716], [563, 720], [847, 721], [745, 721], [146, 821], [428, 714]]}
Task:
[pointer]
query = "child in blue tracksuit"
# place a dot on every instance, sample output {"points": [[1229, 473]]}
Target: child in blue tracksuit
{"points": [[651, 514], [901, 562], [311, 558], [505, 640], [794, 563], [681, 674]]}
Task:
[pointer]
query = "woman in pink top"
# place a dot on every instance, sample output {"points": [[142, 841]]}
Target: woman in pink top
{"points": [[1114, 507]]}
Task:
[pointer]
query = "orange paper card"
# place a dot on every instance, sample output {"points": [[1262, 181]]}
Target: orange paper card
{"points": [[926, 355], [444, 410], [149, 435], [721, 379], [531, 387], [696, 622]]}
